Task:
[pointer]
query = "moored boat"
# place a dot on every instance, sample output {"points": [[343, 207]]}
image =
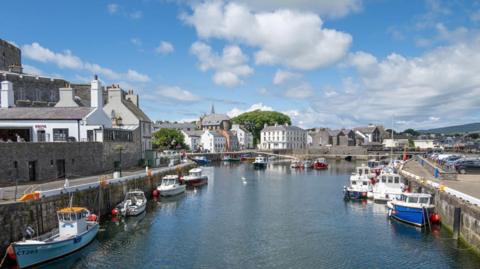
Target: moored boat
{"points": [[170, 186], [228, 158], [296, 164], [320, 164], [134, 203], [195, 178], [76, 229], [260, 162], [307, 164], [359, 184], [201, 160], [387, 186], [412, 208]]}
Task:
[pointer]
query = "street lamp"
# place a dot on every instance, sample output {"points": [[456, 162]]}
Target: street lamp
{"points": [[120, 148]]}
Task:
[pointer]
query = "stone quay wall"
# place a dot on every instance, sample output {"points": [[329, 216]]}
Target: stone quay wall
{"points": [[15, 217], [79, 158], [445, 205]]}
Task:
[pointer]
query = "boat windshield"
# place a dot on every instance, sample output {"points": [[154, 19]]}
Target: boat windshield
{"points": [[390, 179], [384, 179], [424, 200], [412, 199], [397, 180]]}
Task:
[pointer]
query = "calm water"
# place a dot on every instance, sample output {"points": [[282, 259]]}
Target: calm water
{"points": [[278, 219]]}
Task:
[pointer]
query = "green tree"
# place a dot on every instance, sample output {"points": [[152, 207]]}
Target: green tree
{"points": [[167, 138], [411, 132], [254, 121]]}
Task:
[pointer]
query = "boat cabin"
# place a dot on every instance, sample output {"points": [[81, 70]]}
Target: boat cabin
{"points": [[260, 159], [416, 198], [72, 220], [169, 179], [363, 171], [195, 172], [373, 163], [390, 178]]}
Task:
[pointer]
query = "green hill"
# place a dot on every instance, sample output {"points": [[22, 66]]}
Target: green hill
{"points": [[456, 129]]}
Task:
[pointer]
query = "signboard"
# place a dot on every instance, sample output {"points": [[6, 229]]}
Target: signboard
{"points": [[40, 126]]}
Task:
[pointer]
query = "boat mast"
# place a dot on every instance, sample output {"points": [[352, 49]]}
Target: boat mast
{"points": [[393, 143]]}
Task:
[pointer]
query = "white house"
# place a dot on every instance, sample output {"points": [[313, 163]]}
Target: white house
{"points": [[245, 138], [282, 137], [65, 121], [192, 139], [369, 134], [424, 144], [394, 143], [213, 141]]}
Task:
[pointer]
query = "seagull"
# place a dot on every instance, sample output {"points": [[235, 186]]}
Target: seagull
{"points": [[244, 180]]}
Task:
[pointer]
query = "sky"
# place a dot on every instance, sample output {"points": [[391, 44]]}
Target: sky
{"points": [[338, 64]]}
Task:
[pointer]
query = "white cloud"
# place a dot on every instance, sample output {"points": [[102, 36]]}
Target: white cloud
{"points": [[302, 91], [136, 41], [292, 38], [263, 91], [67, 60], [258, 106], [28, 69], [112, 8], [282, 76], [176, 93], [229, 67], [164, 48], [136, 15]]}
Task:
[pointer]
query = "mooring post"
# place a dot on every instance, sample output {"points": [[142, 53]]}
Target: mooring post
{"points": [[456, 222]]}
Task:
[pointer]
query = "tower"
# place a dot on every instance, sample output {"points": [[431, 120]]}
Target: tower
{"points": [[213, 110]]}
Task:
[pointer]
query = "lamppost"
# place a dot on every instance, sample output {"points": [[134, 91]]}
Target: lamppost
{"points": [[120, 148]]}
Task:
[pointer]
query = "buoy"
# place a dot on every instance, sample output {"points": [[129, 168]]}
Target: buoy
{"points": [[11, 253], [92, 217], [434, 218], [155, 193], [114, 212]]}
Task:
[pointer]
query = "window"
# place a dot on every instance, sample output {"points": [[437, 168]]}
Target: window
{"points": [[384, 179], [41, 136], [397, 180], [390, 179], [354, 183], [60, 134], [413, 200], [424, 200]]}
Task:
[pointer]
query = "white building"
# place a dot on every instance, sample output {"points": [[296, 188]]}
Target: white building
{"points": [[213, 141], [245, 138], [282, 137], [192, 139], [394, 143], [424, 144], [64, 122]]}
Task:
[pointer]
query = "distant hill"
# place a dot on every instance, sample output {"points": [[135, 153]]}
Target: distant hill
{"points": [[456, 129]]}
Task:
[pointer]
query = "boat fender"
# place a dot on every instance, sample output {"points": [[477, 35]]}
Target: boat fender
{"points": [[114, 212], [434, 218], [92, 217], [155, 193], [11, 253]]}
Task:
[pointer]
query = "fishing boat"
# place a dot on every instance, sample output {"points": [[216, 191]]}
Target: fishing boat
{"points": [[134, 203], [77, 227], [228, 158], [307, 164], [296, 164], [201, 160], [359, 184], [413, 208], [170, 186], [388, 186], [260, 162], [195, 178], [320, 164], [247, 157]]}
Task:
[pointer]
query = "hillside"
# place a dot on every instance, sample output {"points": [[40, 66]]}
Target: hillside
{"points": [[464, 128]]}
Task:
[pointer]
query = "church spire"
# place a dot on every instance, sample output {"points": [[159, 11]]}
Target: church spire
{"points": [[213, 110]]}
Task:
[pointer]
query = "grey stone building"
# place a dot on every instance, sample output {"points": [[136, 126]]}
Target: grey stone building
{"points": [[214, 121], [10, 57], [179, 126]]}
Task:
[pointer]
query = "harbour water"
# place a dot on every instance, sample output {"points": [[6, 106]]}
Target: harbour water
{"points": [[273, 218]]}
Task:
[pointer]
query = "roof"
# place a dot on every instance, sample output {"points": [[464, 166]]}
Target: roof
{"points": [[281, 128], [214, 119], [366, 130], [45, 113], [136, 111], [193, 133], [173, 125], [71, 210]]}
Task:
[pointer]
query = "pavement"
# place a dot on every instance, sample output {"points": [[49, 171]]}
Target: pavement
{"points": [[9, 192], [468, 183]]}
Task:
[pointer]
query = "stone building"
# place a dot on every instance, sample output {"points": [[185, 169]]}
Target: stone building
{"points": [[369, 134], [214, 121], [282, 137], [180, 126], [10, 57], [245, 138]]}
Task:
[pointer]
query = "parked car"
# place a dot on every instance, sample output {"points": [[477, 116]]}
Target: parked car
{"points": [[468, 166]]}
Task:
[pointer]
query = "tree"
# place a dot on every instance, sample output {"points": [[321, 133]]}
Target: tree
{"points": [[167, 138], [254, 121], [411, 132]]}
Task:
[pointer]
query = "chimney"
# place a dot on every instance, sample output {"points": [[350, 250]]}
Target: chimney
{"points": [[114, 94], [96, 94], [7, 94], [66, 98], [132, 97]]}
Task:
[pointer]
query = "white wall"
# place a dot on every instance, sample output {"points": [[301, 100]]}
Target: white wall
{"points": [[48, 126]]}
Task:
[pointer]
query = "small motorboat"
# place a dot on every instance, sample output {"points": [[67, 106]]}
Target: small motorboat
{"points": [[260, 162], [170, 186], [413, 208], [201, 160], [247, 157], [76, 229], [320, 164], [360, 184], [296, 164], [307, 164], [134, 203], [229, 158], [195, 178]]}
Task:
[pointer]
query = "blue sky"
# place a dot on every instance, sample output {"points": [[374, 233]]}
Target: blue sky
{"points": [[324, 63]]}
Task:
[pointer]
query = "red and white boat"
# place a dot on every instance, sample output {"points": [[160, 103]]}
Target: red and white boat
{"points": [[195, 178], [320, 164]]}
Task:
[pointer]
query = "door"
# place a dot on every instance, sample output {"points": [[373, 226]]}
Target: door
{"points": [[32, 172], [41, 136], [90, 135], [60, 168]]}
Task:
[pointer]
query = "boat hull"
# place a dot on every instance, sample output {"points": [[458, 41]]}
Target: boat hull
{"points": [[320, 166], [34, 254], [411, 215], [195, 182], [355, 195], [259, 165], [172, 192], [136, 211]]}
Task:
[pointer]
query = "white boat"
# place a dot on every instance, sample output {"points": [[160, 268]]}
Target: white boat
{"points": [[134, 203], [307, 164], [195, 178], [76, 229], [170, 186], [260, 162], [296, 164], [388, 186], [360, 186]]}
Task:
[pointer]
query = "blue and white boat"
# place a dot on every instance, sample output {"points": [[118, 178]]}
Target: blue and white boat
{"points": [[360, 186], [201, 160], [76, 229], [260, 162], [412, 208]]}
